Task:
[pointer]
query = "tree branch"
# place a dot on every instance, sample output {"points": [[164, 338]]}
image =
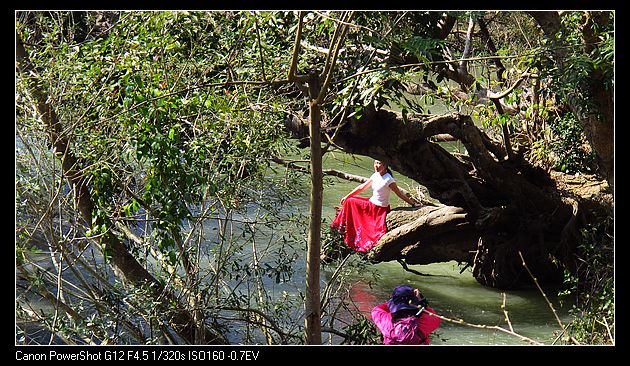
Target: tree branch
{"points": [[292, 73], [125, 264], [496, 99], [340, 174], [332, 60], [494, 327], [463, 64], [485, 34], [260, 49]]}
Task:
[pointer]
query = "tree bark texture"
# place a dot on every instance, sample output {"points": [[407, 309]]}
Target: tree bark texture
{"points": [[492, 208], [312, 319], [426, 235]]}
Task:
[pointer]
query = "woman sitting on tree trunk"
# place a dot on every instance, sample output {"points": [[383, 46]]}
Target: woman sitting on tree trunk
{"points": [[362, 219]]}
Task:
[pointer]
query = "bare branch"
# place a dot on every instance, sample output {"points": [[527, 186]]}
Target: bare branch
{"points": [[555, 314], [489, 327], [330, 67], [507, 318], [292, 74], [463, 64], [503, 94]]}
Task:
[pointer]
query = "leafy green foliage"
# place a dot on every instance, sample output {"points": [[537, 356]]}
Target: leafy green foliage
{"points": [[574, 80], [571, 148], [362, 331], [172, 123], [591, 288], [423, 48], [166, 154], [333, 246]]}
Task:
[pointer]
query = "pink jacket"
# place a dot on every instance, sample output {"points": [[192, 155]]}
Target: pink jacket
{"points": [[383, 320]]}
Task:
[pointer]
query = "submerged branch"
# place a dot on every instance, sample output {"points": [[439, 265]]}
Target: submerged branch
{"points": [[406, 268]]}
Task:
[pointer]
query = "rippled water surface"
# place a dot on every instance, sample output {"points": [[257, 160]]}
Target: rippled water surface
{"points": [[452, 294]]}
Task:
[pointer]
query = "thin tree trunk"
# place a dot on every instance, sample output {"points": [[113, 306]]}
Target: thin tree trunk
{"points": [[463, 64], [317, 91], [505, 130], [313, 311]]}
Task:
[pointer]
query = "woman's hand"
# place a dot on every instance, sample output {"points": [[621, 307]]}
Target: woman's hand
{"points": [[343, 200]]}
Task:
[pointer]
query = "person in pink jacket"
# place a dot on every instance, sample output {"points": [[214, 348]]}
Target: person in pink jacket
{"points": [[406, 317]]}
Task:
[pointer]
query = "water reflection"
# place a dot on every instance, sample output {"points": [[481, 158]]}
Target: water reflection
{"points": [[459, 296], [452, 294]]}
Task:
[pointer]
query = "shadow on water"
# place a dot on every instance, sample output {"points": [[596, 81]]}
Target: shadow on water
{"points": [[452, 294], [459, 296]]}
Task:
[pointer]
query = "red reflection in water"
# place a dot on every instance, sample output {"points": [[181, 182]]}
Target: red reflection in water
{"points": [[363, 297]]}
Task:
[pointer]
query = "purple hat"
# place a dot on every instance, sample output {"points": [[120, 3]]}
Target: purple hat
{"points": [[403, 298]]}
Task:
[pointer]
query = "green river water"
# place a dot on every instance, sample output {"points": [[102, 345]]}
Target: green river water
{"points": [[452, 294]]}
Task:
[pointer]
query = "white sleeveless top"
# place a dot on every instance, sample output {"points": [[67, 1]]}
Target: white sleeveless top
{"points": [[380, 188]]}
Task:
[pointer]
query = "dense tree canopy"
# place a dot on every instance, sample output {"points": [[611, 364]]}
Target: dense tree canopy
{"points": [[143, 136]]}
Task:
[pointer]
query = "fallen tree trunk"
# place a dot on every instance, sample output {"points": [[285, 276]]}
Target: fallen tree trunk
{"points": [[494, 208], [426, 235]]}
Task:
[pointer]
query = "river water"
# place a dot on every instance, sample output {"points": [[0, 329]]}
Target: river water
{"points": [[452, 294]]}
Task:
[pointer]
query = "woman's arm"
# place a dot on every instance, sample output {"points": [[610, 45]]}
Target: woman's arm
{"points": [[409, 200], [357, 190], [429, 322], [382, 318]]}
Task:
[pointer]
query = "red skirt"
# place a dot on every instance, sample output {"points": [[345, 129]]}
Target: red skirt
{"points": [[362, 222]]}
